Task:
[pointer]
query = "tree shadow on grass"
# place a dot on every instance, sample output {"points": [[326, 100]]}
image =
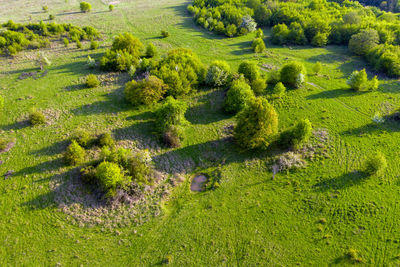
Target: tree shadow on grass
{"points": [[46, 166], [18, 125], [341, 182], [389, 125], [334, 94], [69, 13], [243, 48], [52, 150]]}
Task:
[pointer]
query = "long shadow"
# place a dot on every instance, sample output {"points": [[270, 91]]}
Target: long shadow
{"points": [[51, 165], [69, 13], [52, 150], [392, 87], [15, 126], [242, 48], [343, 181], [388, 125], [334, 94]]}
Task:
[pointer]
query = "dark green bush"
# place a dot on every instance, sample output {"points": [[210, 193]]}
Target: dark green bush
{"points": [[37, 117], [218, 74], [75, 154], [88, 175], [92, 81], [257, 124], [173, 136], [82, 137], [237, 97], [111, 7], [279, 90], [147, 91], [293, 74], [140, 168], [250, 70], [362, 42], [129, 43], [106, 140], [110, 177], [375, 164], [94, 45], [258, 86], [258, 45], [85, 7], [164, 34], [117, 155], [297, 135], [151, 50]]}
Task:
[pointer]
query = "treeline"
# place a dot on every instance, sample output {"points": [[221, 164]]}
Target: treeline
{"points": [[16, 37], [389, 5], [305, 22]]}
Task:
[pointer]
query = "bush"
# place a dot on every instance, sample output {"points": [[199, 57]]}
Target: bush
{"points": [[147, 91], [248, 23], [139, 167], [106, 140], [164, 34], [373, 84], [51, 17], [45, 8], [118, 61], [375, 164], [151, 50], [258, 86], [129, 43], [259, 34], [297, 135], [88, 175], [250, 70], [293, 74], [279, 89], [237, 97], [82, 137], [274, 76], [92, 81], [119, 156], [78, 44], [258, 45], [85, 7], [75, 154], [358, 80], [66, 42], [171, 113], [111, 7], [109, 176], [362, 42], [90, 62], [317, 67], [257, 124], [37, 117], [173, 136], [280, 34], [94, 45], [320, 39], [218, 74]]}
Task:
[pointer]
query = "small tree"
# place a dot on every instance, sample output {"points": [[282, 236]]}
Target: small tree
{"points": [[106, 140], [147, 91], [151, 50], [250, 70], [279, 89], [109, 176], [297, 135], [92, 81], [259, 33], [237, 97], [111, 7], [358, 80], [85, 7], [317, 67], [258, 86], [75, 154], [164, 33], [362, 42], [258, 45], [373, 84], [257, 124], [218, 74], [293, 74], [375, 164]]}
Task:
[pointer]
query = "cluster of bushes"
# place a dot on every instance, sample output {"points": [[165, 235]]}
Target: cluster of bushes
{"points": [[17, 37], [115, 168], [358, 81]]}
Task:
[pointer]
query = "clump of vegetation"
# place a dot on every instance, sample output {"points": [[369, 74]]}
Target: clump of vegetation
{"points": [[317, 68], [353, 256], [82, 137], [111, 7], [85, 7], [362, 42], [289, 160], [51, 17], [293, 74], [75, 154], [36, 117], [140, 167], [90, 62], [257, 124], [92, 81], [279, 90], [45, 8], [218, 74], [238, 96], [109, 177], [164, 33], [78, 44], [106, 140], [258, 45], [94, 45], [170, 119], [297, 135], [258, 86], [1, 103], [375, 164], [151, 50], [358, 81], [250, 70], [66, 42], [147, 91]]}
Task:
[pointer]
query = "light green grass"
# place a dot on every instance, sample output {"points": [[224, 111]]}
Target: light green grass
{"points": [[251, 219]]}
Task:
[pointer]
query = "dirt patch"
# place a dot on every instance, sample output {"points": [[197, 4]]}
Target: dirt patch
{"points": [[10, 145], [198, 183], [34, 74]]}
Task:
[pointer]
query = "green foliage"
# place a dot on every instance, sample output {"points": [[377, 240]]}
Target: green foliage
{"points": [[181, 70], [94, 45], [171, 113], [258, 45], [147, 91], [362, 42], [90, 62], [78, 44], [320, 39], [51, 17], [317, 67], [238, 96], [92, 81], [297, 135], [385, 58], [66, 42], [280, 34], [373, 84], [85, 7], [88, 174], [231, 30], [259, 33], [250, 70], [106, 140], [375, 164], [75, 154], [164, 33], [257, 124], [140, 168], [36, 117], [358, 80], [258, 86], [45, 8], [151, 50], [111, 7], [1, 103], [82, 137], [173, 136], [119, 155], [218, 74], [109, 177], [279, 89], [129, 43], [293, 74]]}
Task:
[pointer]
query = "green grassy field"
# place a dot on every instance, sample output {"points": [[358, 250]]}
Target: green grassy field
{"points": [[309, 217]]}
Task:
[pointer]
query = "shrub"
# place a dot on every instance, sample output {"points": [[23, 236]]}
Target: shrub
{"points": [[117, 61], [320, 39], [297, 135], [375, 164], [139, 167], [173, 136], [85, 6], [111, 7], [248, 23], [231, 30], [66, 42], [171, 113], [257, 124], [129, 43], [373, 84], [164, 34], [92, 81], [274, 76], [37, 117], [237, 97], [250, 70], [90, 62], [94, 45], [362, 42], [147, 91], [51, 17], [109, 176], [218, 74], [106, 140], [78, 44], [258, 86], [45, 8], [151, 50], [317, 67], [279, 89], [88, 175], [75, 154], [358, 80], [82, 137], [258, 45], [259, 34], [119, 156], [293, 74], [280, 34]]}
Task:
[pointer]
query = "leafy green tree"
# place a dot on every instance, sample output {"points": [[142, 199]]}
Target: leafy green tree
{"points": [[362, 42], [218, 74], [258, 45], [250, 70], [151, 50], [279, 89], [75, 154], [297, 135], [375, 164], [280, 34], [85, 7], [109, 176], [129, 43], [237, 97], [317, 67], [147, 91], [293, 74], [358, 80], [257, 125]]}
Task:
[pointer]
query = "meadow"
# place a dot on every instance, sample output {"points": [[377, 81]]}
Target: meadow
{"points": [[307, 217]]}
